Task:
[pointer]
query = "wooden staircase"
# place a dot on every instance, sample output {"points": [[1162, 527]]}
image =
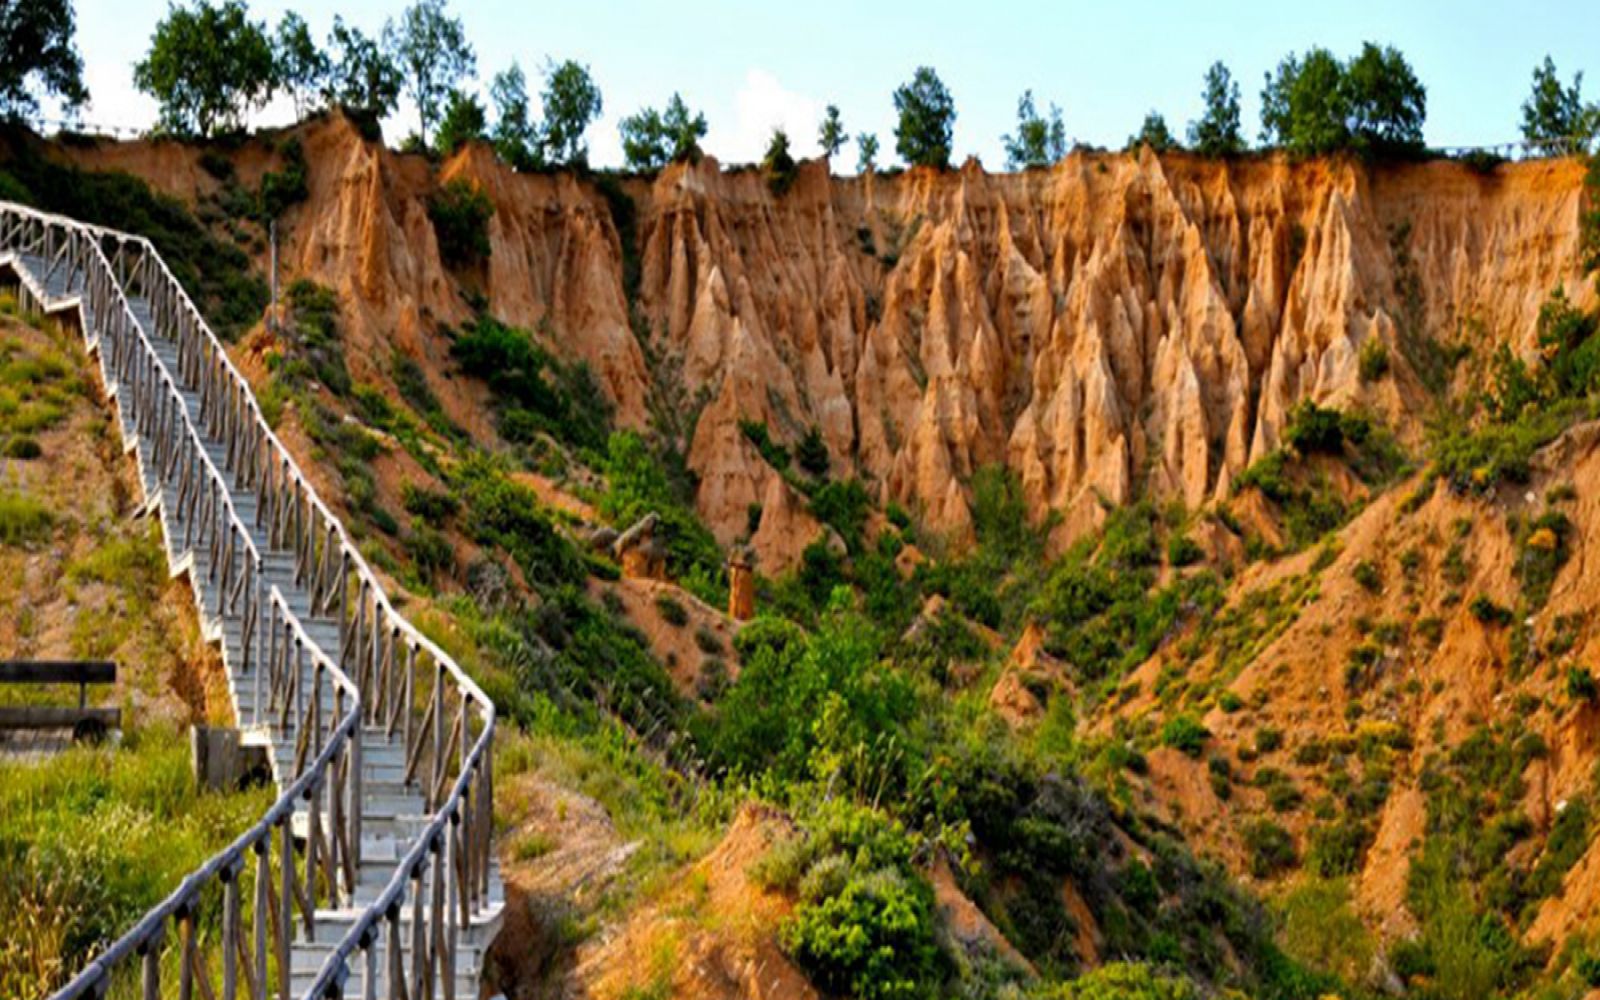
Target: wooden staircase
{"points": [[383, 882]]}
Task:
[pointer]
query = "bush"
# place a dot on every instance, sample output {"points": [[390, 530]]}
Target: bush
{"points": [[24, 448], [460, 214], [1270, 848], [864, 924], [286, 187], [1184, 733], [1183, 550], [1581, 685], [433, 506], [1373, 360], [23, 519], [1488, 612], [812, 453], [1338, 848], [1368, 576], [708, 641], [1123, 981], [773, 453], [534, 391], [672, 610]]}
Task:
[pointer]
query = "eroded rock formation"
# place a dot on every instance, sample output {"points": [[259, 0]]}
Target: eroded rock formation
{"points": [[1114, 326]]}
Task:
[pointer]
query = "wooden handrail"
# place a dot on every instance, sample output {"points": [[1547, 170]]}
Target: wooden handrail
{"points": [[379, 651]]}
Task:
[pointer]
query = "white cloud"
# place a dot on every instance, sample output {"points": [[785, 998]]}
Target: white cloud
{"points": [[761, 105]]}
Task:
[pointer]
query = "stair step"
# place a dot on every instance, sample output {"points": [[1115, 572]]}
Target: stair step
{"points": [[393, 813]]}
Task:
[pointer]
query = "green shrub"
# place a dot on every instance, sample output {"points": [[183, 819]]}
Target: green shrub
{"points": [[1123, 981], [282, 188], [1268, 739], [1374, 360], [1488, 612], [1270, 848], [709, 642], [812, 454], [843, 506], [1368, 576], [430, 551], [1581, 685], [1338, 848], [460, 212], [433, 506], [534, 391], [864, 925], [773, 453], [1542, 550], [1185, 734], [672, 610], [23, 519], [24, 447], [1183, 550]]}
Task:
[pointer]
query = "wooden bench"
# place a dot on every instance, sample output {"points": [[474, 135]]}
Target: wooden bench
{"points": [[86, 722]]}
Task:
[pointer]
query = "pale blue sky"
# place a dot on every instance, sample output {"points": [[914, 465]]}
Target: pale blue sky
{"points": [[752, 66]]}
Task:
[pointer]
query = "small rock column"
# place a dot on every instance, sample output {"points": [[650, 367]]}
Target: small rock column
{"points": [[741, 587]]}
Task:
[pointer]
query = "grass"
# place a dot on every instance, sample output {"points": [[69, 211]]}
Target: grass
{"points": [[23, 519], [90, 839]]}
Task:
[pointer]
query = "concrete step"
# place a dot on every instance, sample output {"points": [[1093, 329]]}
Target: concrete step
{"points": [[393, 813]]}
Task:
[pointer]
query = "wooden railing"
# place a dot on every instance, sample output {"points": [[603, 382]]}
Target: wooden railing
{"points": [[402, 683]]}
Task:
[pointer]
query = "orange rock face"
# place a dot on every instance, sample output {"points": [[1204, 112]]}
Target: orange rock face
{"points": [[1115, 325]]}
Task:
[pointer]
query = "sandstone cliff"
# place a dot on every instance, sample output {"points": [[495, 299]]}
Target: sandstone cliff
{"points": [[1116, 325]]}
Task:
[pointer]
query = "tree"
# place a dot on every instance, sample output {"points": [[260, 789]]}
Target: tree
{"points": [[208, 66], [37, 50], [302, 68], [1304, 108], [1153, 133], [571, 102], [463, 122], [652, 139], [1039, 142], [927, 120], [778, 164], [515, 136], [867, 152], [831, 136], [1385, 101], [1553, 113], [1217, 132], [431, 49], [362, 79]]}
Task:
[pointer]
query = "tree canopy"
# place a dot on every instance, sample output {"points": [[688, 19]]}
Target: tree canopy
{"points": [[1217, 132], [831, 136], [1387, 103], [926, 127], [1316, 104], [302, 68], [651, 139], [1038, 142], [37, 51], [867, 152], [463, 121], [515, 135], [208, 66], [1153, 132], [1556, 114], [571, 102], [361, 79], [434, 57]]}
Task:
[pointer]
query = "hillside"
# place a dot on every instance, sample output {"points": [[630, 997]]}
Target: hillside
{"points": [[1170, 572], [92, 836]]}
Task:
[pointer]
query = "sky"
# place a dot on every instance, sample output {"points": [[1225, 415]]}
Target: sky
{"points": [[755, 66]]}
